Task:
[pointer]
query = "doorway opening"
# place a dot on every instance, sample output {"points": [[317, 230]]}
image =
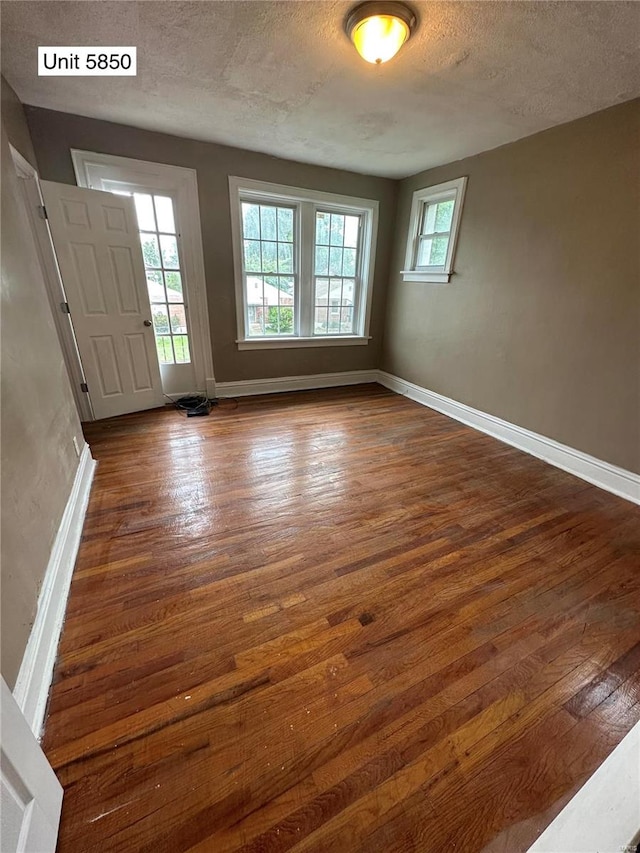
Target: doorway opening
{"points": [[125, 281], [167, 208]]}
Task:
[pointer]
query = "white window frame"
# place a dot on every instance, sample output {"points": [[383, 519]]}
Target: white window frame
{"points": [[307, 202], [181, 184], [441, 273]]}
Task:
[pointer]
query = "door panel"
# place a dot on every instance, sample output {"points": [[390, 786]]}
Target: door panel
{"points": [[95, 236], [31, 794]]}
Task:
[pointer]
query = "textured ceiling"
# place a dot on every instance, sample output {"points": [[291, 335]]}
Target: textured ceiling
{"points": [[282, 77]]}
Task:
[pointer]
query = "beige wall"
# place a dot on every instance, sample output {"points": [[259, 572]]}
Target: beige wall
{"points": [[541, 323], [39, 417], [54, 134], [14, 120]]}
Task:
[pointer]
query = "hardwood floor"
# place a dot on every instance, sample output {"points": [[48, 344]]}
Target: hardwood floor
{"points": [[337, 621]]}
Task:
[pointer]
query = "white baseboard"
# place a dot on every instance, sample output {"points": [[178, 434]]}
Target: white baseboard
{"points": [[31, 691], [603, 817], [210, 388], [294, 383], [620, 482]]}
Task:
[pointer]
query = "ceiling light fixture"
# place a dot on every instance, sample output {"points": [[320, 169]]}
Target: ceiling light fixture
{"points": [[379, 29]]}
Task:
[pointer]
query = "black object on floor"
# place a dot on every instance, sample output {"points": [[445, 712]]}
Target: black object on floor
{"points": [[194, 406]]}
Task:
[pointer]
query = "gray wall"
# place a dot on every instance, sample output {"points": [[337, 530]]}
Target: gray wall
{"points": [[540, 325], [39, 417], [54, 134]]}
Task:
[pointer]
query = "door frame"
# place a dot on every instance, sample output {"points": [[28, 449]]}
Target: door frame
{"points": [[90, 168], [35, 209]]}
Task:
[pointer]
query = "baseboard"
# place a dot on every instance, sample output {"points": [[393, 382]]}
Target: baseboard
{"points": [[603, 815], [36, 671], [616, 480], [211, 388], [294, 383]]}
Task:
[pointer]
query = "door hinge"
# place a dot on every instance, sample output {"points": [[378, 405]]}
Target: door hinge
{"points": [[64, 307], [42, 212], [84, 387]]}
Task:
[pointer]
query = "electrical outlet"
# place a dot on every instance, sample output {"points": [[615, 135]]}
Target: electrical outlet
{"points": [[76, 445]]}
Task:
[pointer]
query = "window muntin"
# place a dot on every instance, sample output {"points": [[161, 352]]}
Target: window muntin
{"points": [[433, 231], [308, 287], [159, 241], [269, 264], [336, 257]]}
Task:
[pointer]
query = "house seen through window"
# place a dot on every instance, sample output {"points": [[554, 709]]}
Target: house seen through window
{"points": [[303, 264], [336, 262], [269, 264]]}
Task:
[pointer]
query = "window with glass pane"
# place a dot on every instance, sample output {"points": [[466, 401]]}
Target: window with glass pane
{"points": [[268, 251], [337, 239], [164, 278], [435, 232]]}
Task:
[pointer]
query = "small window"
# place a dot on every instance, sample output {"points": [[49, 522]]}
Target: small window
{"points": [[304, 265], [433, 231]]}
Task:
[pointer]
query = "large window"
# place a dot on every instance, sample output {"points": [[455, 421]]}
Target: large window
{"points": [[304, 265], [433, 232]]}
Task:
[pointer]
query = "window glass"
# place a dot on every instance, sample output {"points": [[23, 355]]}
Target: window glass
{"points": [[160, 253], [336, 257], [269, 262], [164, 214], [303, 262]]}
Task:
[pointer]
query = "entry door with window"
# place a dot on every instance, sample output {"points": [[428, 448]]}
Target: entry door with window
{"points": [[164, 270], [162, 253], [168, 211], [97, 245]]}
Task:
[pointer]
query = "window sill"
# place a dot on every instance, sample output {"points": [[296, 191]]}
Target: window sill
{"points": [[429, 277], [294, 343]]}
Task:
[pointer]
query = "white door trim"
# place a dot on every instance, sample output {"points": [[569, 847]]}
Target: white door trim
{"points": [[91, 168], [34, 204]]}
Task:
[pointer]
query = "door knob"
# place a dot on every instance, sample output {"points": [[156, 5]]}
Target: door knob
{"points": [[148, 323]]}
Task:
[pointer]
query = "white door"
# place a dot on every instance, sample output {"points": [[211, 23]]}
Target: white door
{"points": [[95, 236], [31, 794]]}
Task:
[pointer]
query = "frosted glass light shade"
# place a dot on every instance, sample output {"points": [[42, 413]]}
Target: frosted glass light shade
{"points": [[379, 38], [379, 29]]}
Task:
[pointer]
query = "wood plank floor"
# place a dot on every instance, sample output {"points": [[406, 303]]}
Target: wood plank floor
{"points": [[337, 621]]}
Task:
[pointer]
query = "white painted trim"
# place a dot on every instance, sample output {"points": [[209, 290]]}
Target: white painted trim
{"points": [[249, 387], [210, 387], [92, 168], [31, 691], [296, 343], [306, 203], [266, 190], [437, 274], [429, 277], [620, 482], [604, 816]]}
